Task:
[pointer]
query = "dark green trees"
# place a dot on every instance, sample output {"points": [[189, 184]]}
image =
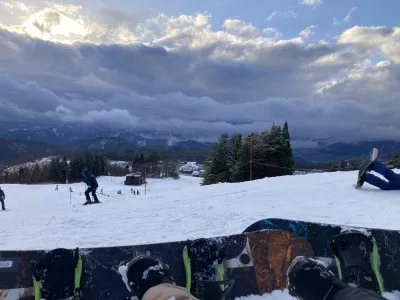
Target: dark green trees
{"points": [[230, 161]]}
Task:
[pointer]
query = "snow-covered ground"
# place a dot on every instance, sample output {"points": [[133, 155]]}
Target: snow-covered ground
{"points": [[39, 217]]}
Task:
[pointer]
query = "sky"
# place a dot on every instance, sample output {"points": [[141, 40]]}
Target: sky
{"points": [[199, 68]]}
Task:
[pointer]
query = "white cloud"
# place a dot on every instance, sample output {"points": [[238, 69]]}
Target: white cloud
{"points": [[346, 19], [369, 40], [281, 14], [240, 28], [272, 32], [313, 3], [16, 5], [308, 32], [176, 74]]}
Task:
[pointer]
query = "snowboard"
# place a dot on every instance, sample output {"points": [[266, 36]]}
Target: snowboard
{"points": [[365, 165], [256, 263], [371, 258]]}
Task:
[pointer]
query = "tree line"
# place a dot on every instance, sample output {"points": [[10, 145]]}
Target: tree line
{"points": [[393, 161], [154, 167], [62, 169], [58, 170], [271, 150]]}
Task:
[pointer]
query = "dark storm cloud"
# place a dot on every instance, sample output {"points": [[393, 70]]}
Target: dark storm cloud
{"points": [[321, 90]]}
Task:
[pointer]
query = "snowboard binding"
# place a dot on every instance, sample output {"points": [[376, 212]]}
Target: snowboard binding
{"points": [[144, 272], [309, 278], [356, 255], [205, 274], [58, 275]]}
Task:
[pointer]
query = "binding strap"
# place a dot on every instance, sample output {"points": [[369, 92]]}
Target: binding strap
{"points": [[204, 268], [37, 277]]}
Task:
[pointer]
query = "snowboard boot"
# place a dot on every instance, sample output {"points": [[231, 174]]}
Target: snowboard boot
{"points": [[309, 279], [357, 260], [58, 275], [145, 272], [205, 274]]}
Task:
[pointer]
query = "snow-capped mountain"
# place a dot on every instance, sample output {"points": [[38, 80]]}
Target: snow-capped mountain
{"points": [[90, 137], [14, 151], [88, 134]]}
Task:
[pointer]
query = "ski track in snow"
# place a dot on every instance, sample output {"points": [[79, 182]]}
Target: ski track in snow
{"points": [[41, 218]]}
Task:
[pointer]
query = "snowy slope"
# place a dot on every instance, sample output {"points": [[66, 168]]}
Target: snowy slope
{"points": [[41, 218]]}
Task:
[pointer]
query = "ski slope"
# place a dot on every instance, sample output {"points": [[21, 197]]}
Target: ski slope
{"points": [[39, 217]]}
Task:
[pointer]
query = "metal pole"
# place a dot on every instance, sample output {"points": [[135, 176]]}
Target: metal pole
{"points": [[251, 160], [145, 180]]}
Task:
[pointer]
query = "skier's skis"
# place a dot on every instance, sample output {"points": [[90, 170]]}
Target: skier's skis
{"points": [[92, 202], [356, 255], [365, 165]]}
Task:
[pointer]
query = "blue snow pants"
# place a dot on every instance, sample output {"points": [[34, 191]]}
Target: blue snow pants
{"points": [[393, 182]]}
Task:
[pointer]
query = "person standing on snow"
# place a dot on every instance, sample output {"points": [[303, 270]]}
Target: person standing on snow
{"points": [[92, 184], [2, 198]]}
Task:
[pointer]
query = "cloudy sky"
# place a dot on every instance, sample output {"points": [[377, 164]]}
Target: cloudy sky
{"points": [[202, 67]]}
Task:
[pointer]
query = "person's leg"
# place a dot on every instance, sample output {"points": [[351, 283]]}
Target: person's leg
{"points": [[88, 190], [2, 204], [380, 168], [96, 200], [167, 291], [378, 182]]}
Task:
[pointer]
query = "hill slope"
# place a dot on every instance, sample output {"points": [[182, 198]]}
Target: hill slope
{"points": [[13, 151], [176, 210]]}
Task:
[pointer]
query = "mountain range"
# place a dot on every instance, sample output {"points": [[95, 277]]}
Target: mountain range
{"points": [[22, 141]]}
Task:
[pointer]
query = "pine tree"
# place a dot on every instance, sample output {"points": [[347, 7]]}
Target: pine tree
{"points": [[289, 164], [127, 169], [36, 177], [22, 174], [235, 144], [269, 154], [56, 174], [75, 170], [102, 165], [217, 169], [97, 169], [241, 170]]}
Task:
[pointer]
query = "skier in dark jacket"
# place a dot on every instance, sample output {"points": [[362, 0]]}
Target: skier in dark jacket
{"points": [[2, 198], [393, 179], [92, 184], [309, 279]]}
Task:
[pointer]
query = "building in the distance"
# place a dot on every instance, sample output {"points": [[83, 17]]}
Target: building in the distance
{"points": [[134, 179]]}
